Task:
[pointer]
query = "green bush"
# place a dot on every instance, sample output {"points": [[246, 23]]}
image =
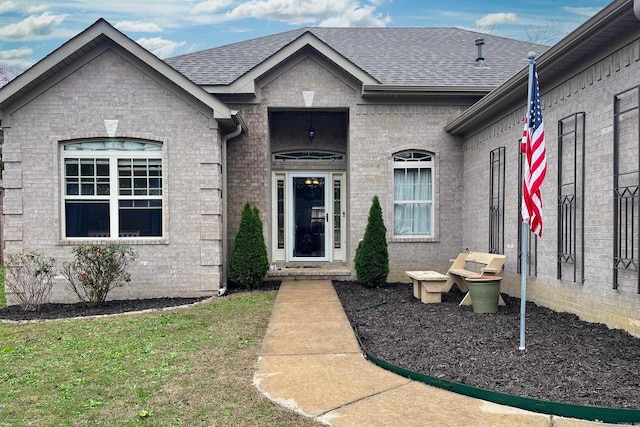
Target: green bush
{"points": [[249, 264], [30, 279], [96, 269], [372, 254]]}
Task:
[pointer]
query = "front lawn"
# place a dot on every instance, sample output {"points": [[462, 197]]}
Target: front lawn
{"points": [[182, 367]]}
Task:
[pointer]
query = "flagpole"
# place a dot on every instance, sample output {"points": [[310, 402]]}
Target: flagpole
{"points": [[525, 228]]}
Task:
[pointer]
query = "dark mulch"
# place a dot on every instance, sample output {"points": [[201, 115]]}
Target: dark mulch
{"points": [[566, 359], [61, 311]]}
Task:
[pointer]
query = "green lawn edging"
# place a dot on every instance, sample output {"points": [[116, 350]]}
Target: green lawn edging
{"points": [[591, 413]]}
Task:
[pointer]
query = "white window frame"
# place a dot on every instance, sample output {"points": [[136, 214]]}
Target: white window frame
{"points": [[414, 159], [112, 151]]}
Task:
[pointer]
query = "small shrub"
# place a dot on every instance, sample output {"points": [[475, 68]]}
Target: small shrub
{"points": [[96, 269], [249, 263], [372, 254], [30, 278]]}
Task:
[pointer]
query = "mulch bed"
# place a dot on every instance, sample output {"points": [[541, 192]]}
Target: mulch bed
{"points": [[61, 311], [566, 359]]}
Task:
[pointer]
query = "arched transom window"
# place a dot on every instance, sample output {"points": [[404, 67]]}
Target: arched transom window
{"points": [[413, 193]]}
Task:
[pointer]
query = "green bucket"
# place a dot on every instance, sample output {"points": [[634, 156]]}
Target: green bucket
{"points": [[485, 293]]}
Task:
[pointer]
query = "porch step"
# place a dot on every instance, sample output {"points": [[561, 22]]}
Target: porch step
{"points": [[310, 271]]}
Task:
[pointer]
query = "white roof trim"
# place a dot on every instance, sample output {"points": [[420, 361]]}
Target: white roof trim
{"points": [[247, 81], [99, 28]]}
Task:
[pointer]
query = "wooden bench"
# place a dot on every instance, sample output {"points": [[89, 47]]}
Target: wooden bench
{"points": [[474, 264]]}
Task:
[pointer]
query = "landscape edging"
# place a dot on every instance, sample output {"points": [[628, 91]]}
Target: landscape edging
{"points": [[591, 413]]}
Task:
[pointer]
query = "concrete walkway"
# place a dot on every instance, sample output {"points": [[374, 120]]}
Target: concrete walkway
{"points": [[311, 363]]}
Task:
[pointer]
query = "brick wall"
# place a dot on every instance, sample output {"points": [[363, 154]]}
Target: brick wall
{"points": [[187, 260], [378, 131], [590, 91]]}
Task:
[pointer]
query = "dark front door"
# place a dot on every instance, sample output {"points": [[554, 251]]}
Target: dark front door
{"points": [[310, 217]]}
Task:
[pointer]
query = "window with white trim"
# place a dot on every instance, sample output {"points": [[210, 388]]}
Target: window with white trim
{"points": [[112, 189], [413, 193]]}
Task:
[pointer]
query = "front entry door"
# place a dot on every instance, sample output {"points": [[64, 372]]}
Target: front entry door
{"points": [[308, 207]]}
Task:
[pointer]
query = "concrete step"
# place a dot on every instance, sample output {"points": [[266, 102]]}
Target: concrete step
{"points": [[310, 271]]}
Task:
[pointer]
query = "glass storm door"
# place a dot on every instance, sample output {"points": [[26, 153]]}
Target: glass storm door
{"points": [[309, 202]]}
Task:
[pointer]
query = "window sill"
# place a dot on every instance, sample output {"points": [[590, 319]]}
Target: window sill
{"points": [[121, 241]]}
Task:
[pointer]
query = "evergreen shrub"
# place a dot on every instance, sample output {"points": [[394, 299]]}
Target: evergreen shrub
{"points": [[372, 254], [249, 263]]}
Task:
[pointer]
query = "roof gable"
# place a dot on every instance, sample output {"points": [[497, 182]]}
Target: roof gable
{"points": [[245, 83], [90, 43], [398, 57]]}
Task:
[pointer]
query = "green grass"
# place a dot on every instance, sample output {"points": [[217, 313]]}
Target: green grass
{"points": [[184, 367]]}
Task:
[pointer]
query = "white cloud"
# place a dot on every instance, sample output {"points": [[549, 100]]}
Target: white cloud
{"points": [[212, 6], [7, 6], [359, 17], [138, 27], [32, 27], [496, 19], [297, 12], [582, 11], [37, 9], [15, 53], [160, 47], [16, 59]]}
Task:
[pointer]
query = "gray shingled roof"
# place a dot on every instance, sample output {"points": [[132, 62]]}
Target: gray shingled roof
{"points": [[393, 56]]}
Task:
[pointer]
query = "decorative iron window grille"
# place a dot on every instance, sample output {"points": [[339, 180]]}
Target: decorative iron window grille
{"points": [[626, 182], [571, 167], [496, 200], [532, 249]]}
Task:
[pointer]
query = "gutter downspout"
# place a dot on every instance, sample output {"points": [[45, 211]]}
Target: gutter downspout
{"points": [[225, 239]]}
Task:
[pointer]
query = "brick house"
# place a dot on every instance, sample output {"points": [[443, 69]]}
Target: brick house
{"points": [[104, 141]]}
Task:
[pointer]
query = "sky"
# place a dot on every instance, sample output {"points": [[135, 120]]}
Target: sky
{"points": [[31, 29]]}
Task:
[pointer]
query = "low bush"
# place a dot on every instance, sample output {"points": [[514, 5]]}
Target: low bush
{"points": [[97, 269], [30, 278]]}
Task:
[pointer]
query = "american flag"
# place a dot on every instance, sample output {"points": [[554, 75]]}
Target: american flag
{"points": [[535, 165]]}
